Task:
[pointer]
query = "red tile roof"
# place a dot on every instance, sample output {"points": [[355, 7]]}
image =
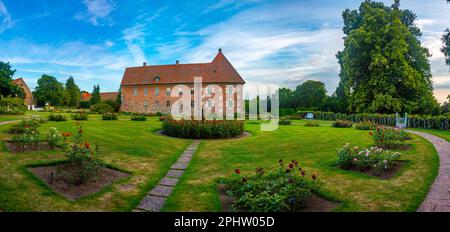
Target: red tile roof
{"points": [[219, 70], [85, 96], [109, 96]]}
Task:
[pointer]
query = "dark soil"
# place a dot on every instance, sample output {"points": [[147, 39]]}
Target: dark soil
{"points": [[15, 148], [396, 147], [384, 175], [314, 204], [62, 186]]}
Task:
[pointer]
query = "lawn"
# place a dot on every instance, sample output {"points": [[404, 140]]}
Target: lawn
{"points": [[134, 147], [127, 145], [445, 134], [315, 149]]}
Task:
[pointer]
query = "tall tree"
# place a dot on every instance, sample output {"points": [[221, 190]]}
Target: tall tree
{"points": [[49, 90], [73, 92], [310, 94], [95, 98], [385, 69], [446, 46], [285, 96], [7, 88]]}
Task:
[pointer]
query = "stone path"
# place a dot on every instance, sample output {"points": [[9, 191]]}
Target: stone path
{"points": [[8, 122], [155, 199], [438, 197]]}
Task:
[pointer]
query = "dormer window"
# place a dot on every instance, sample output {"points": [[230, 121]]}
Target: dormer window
{"points": [[156, 79]]}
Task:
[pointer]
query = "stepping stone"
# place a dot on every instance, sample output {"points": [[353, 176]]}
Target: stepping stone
{"points": [[167, 181], [179, 166], [152, 203], [161, 191], [175, 173], [184, 160]]}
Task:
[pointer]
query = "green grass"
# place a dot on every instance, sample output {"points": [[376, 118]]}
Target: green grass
{"points": [[445, 134], [127, 145], [315, 149]]}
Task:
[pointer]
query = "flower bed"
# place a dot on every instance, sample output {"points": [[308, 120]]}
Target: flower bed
{"points": [[23, 126], [285, 189], [57, 117], [374, 160], [194, 129], [389, 136], [365, 125], [284, 121], [80, 116], [312, 124], [342, 124]]}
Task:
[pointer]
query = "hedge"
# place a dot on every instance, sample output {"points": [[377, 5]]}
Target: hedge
{"points": [[196, 129], [414, 121], [12, 106]]}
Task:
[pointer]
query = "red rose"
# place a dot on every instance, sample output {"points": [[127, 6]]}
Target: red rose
{"points": [[303, 173], [290, 181], [291, 166], [88, 146], [370, 133], [314, 176], [237, 171]]}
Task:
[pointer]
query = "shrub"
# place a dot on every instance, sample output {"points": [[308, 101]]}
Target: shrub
{"points": [[29, 137], [365, 125], [39, 120], [342, 124], [109, 116], [84, 105], [284, 121], [312, 124], [54, 138], [23, 126], [138, 117], [285, 189], [389, 136], [158, 114], [82, 162], [162, 118], [80, 116], [115, 105], [101, 108], [57, 117], [203, 129], [12, 106], [375, 159]]}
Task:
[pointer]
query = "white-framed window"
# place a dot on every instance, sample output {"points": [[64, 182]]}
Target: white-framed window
{"points": [[168, 103], [180, 92], [230, 89], [209, 90], [156, 79], [156, 91], [168, 91], [192, 91], [135, 91], [145, 104], [209, 103], [192, 103], [145, 91], [230, 103]]}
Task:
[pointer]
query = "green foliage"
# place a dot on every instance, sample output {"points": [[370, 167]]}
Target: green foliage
{"points": [[7, 88], [384, 63], [446, 46], [82, 162], [138, 117], [342, 124], [285, 189], [95, 97], [12, 106], [365, 125], [158, 114], [372, 159], [284, 121], [286, 112], [286, 98], [101, 108], [82, 116], [72, 93], [57, 117], [388, 136], [310, 94], [54, 138], [195, 129], [30, 137], [84, 104], [109, 116], [113, 104], [49, 90]]}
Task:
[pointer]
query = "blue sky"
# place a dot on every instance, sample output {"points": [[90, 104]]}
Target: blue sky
{"points": [[269, 42]]}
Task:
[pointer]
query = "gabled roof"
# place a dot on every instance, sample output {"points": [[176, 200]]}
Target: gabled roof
{"points": [[219, 70], [109, 96], [20, 81]]}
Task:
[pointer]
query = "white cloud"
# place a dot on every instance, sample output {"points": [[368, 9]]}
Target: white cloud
{"points": [[5, 18], [98, 12]]}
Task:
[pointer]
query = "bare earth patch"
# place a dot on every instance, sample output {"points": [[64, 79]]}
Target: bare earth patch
{"points": [[106, 176], [15, 148], [243, 135], [314, 203]]}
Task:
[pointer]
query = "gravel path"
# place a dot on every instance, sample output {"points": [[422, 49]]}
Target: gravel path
{"points": [[438, 197]]}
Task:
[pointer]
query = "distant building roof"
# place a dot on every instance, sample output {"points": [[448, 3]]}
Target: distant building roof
{"points": [[109, 96], [85, 96], [219, 70]]}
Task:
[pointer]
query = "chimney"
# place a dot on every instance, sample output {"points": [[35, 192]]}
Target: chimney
{"points": [[145, 64], [177, 62], [220, 50]]}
